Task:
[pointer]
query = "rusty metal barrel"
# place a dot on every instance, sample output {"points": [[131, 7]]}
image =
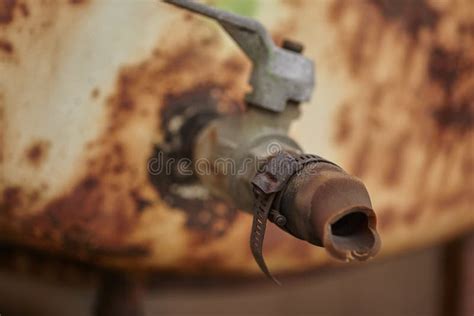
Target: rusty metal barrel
{"points": [[88, 89]]}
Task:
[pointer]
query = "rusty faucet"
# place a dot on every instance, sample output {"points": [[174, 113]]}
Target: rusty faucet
{"points": [[306, 195]]}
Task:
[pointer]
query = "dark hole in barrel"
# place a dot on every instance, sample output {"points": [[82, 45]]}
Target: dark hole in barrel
{"points": [[352, 233]]}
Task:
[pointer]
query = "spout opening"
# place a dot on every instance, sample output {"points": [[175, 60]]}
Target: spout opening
{"points": [[352, 236]]}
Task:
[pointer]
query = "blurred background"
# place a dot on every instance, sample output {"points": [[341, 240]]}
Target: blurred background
{"points": [[434, 281]]}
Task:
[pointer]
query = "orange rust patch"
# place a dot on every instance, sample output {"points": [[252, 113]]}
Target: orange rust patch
{"points": [[8, 8], [449, 69], [141, 203], [37, 152], [24, 9], [168, 77], [412, 16], [77, 2], [6, 47], [87, 222], [100, 213], [209, 217], [388, 122], [15, 198], [11, 198]]}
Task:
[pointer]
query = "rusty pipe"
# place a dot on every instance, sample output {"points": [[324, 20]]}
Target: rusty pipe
{"points": [[327, 207], [321, 204]]}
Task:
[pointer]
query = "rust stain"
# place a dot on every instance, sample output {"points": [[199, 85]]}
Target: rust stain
{"points": [[81, 222], [413, 16], [7, 8], [466, 28], [205, 215], [78, 2], [6, 47], [352, 39], [435, 118], [25, 11], [444, 67], [37, 153], [141, 203], [98, 215], [449, 69], [14, 198], [459, 118], [168, 77], [11, 199]]}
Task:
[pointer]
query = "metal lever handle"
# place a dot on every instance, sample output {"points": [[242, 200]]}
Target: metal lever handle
{"points": [[249, 34], [279, 75]]}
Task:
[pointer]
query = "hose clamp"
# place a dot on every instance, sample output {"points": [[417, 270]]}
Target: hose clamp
{"points": [[267, 184]]}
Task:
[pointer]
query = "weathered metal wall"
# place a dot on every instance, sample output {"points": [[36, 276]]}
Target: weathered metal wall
{"points": [[85, 87]]}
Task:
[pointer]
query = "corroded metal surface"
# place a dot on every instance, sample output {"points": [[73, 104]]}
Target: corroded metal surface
{"points": [[85, 84], [318, 202], [332, 209]]}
